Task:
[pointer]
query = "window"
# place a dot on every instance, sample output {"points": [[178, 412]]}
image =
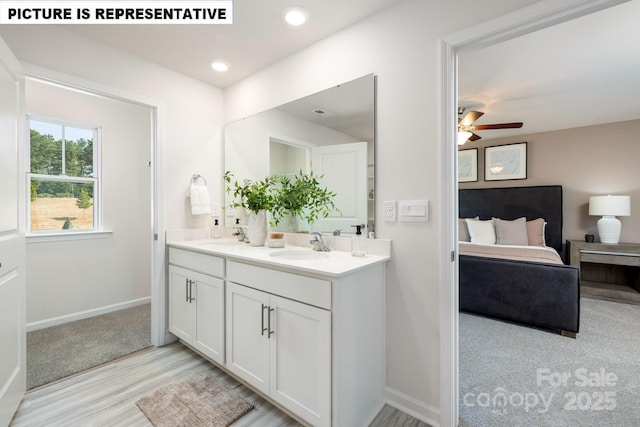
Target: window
{"points": [[63, 178]]}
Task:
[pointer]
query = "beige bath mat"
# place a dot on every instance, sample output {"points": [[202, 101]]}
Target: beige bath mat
{"points": [[199, 400]]}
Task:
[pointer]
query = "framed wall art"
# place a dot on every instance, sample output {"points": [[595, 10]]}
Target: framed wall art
{"points": [[468, 165], [502, 162]]}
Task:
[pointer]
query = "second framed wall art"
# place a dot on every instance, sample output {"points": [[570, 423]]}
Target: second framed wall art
{"points": [[505, 162]]}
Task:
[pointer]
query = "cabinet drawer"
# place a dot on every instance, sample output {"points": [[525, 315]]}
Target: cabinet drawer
{"points": [[207, 264], [305, 289], [610, 258]]}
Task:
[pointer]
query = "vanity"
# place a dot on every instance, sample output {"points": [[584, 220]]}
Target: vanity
{"points": [[305, 329]]}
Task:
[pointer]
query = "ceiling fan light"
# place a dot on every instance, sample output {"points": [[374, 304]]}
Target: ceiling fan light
{"points": [[463, 136]]}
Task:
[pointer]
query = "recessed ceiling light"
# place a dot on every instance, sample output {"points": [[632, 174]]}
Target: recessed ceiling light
{"points": [[295, 16], [219, 66]]}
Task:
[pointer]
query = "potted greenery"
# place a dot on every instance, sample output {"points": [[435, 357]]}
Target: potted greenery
{"points": [[301, 196], [257, 197]]}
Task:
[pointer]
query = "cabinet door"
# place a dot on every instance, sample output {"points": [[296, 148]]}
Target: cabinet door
{"points": [[180, 308], [247, 335], [300, 358], [209, 316]]}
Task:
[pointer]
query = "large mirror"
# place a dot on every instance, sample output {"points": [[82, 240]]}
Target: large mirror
{"points": [[330, 133]]}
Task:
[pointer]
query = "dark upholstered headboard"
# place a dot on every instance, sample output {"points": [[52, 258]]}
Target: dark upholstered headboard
{"points": [[543, 201]]}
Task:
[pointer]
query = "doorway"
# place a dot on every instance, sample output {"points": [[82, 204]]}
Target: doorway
{"points": [[81, 276], [524, 21]]}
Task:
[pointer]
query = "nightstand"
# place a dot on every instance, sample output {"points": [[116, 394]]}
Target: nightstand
{"points": [[607, 271]]}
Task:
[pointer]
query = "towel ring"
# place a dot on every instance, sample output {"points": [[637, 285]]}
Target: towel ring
{"points": [[196, 177]]}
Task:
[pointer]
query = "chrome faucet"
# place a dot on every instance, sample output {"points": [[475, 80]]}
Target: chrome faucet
{"points": [[239, 231], [318, 243]]}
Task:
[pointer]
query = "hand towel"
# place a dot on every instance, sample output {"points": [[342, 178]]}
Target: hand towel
{"points": [[200, 204]]}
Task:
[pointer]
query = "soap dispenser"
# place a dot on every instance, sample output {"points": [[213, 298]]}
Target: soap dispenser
{"points": [[357, 242], [216, 229]]}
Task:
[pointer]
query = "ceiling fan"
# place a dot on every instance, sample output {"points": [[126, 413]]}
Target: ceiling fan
{"points": [[466, 128]]}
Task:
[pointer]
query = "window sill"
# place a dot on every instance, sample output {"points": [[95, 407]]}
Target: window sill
{"points": [[70, 235]]}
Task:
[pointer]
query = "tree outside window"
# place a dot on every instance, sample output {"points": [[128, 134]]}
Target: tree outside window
{"points": [[63, 179]]}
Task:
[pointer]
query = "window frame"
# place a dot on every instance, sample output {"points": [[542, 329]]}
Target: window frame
{"points": [[95, 178]]}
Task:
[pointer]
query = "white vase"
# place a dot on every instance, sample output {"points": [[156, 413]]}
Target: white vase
{"points": [[257, 228]]}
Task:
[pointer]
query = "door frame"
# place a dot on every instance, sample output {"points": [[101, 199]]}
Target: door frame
{"points": [[159, 332], [13, 238], [526, 20]]}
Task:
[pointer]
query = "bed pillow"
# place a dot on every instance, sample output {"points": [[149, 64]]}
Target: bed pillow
{"points": [[482, 232], [463, 230], [512, 232], [535, 232]]}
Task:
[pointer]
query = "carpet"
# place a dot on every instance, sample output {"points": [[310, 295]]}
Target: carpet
{"points": [[60, 351], [199, 400], [512, 375]]}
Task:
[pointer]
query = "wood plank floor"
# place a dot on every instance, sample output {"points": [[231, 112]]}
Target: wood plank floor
{"points": [[106, 395]]}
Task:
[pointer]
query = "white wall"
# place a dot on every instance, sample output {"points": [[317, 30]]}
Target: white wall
{"points": [[191, 114], [401, 46], [67, 277], [193, 110]]}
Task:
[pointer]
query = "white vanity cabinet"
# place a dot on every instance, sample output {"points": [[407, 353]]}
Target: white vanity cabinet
{"points": [[313, 344], [196, 301], [282, 348], [308, 335]]}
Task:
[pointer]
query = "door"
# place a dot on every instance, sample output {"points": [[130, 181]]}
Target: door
{"points": [[344, 167], [180, 307], [12, 243], [248, 335], [209, 318], [301, 359]]}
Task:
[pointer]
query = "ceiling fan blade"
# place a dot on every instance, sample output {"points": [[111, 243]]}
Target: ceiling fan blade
{"points": [[474, 137], [515, 125], [470, 117]]}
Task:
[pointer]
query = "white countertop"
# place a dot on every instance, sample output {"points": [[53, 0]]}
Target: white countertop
{"points": [[336, 263]]}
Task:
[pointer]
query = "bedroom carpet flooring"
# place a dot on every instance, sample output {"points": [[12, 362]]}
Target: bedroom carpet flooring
{"points": [[512, 375]]}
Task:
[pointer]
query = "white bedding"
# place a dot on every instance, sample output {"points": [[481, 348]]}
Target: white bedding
{"points": [[543, 254]]}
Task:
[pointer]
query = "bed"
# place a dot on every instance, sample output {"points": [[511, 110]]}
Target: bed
{"points": [[539, 293]]}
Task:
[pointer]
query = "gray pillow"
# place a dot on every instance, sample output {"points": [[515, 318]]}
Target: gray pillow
{"points": [[511, 232]]}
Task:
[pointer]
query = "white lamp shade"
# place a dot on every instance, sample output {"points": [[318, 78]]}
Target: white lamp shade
{"points": [[610, 205]]}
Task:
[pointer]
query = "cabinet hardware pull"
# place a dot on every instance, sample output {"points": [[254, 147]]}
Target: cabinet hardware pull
{"points": [[186, 289], [191, 298], [269, 323], [263, 329]]}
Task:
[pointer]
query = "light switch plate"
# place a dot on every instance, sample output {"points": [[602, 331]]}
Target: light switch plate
{"points": [[390, 211], [413, 210]]}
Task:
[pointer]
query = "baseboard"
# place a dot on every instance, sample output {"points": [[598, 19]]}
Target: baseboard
{"points": [[411, 406], [54, 321]]}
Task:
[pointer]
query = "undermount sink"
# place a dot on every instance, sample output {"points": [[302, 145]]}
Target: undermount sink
{"points": [[299, 255]]}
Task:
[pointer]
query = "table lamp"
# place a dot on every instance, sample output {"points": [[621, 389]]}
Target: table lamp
{"points": [[609, 207]]}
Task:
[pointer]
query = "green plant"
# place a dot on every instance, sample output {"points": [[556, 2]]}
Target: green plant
{"points": [[83, 201], [302, 196], [252, 195]]}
